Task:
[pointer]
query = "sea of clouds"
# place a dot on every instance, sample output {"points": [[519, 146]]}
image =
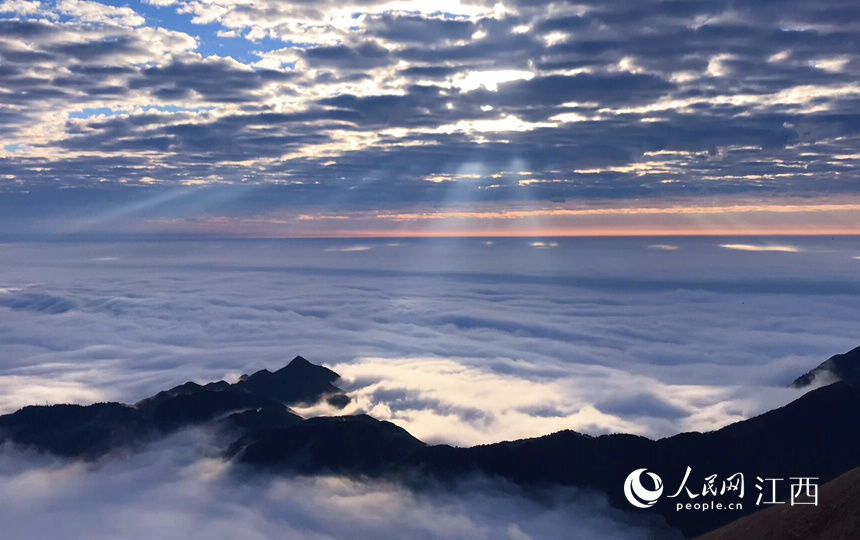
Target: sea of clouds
{"points": [[458, 341], [174, 491]]}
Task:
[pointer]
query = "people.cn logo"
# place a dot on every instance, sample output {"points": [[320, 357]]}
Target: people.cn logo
{"points": [[637, 494]]}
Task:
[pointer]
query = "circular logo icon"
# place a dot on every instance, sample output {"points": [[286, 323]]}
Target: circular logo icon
{"points": [[637, 494]]}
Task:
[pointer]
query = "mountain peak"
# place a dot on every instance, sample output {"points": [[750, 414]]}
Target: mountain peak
{"points": [[300, 381], [840, 367], [299, 361]]}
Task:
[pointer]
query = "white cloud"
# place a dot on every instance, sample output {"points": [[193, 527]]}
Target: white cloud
{"points": [[495, 125], [441, 400], [833, 65], [717, 65], [321, 23], [472, 80], [693, 342], [754, 247], [781, 56], [17, 390], [22, 7], [554, 38], [350, 248], [96, 12]]}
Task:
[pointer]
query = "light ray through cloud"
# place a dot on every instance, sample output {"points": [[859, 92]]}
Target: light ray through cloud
{"points": [[315, 107], [494, 220]]}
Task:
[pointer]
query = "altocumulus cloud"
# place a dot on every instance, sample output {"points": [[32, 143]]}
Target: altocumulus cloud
{"points": [[514, 102]]}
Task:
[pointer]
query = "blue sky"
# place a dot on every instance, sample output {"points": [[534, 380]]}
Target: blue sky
{"points": [[407, 117]]}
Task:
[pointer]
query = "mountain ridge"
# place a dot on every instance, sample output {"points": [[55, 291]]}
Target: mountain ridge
{"points": [[259, 430], [839, 367]]}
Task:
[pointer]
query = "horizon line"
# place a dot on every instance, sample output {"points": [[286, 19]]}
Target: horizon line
{"points": [[434, 235]]}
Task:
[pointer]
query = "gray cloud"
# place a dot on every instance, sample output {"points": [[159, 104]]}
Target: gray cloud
{"points": [[735, 98]]}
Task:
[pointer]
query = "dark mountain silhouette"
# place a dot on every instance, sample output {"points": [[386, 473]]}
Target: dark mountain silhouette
{"points": [[193, 404], [340, 444], [299, 382], [251, 420], [258, 401], [814, 435], [75, 430], [841, 367], [836, 517]]}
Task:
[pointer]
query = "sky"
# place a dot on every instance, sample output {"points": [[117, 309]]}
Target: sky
{"points": [[410, 118]]}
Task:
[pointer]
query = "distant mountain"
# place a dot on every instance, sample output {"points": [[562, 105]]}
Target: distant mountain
{"points": [[255, 402], [75, 430], [340, 444], [814, 435], [837, 516], [841, 367], [297, 382], [192, 403]]}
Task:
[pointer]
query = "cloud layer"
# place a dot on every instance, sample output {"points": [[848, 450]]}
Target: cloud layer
{"points": [[392, 103], [459, 341]]}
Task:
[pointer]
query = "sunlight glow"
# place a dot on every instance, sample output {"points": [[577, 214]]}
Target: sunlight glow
{"points": [[505, 123], [472, 80]]}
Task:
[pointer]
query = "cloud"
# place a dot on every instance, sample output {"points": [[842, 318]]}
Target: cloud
{"points": [[453, 401], [34, 301], [599, 102], [752, 247], [40, 390], [350, 248], [96, 12], [365, 56], [454, 341], [392, 26], [24, 7], [436, 333]]}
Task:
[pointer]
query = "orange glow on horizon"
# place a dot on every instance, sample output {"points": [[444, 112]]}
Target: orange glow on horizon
{"points": [[539, 233], [562, 233], [815, 218], [669, 210]]}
